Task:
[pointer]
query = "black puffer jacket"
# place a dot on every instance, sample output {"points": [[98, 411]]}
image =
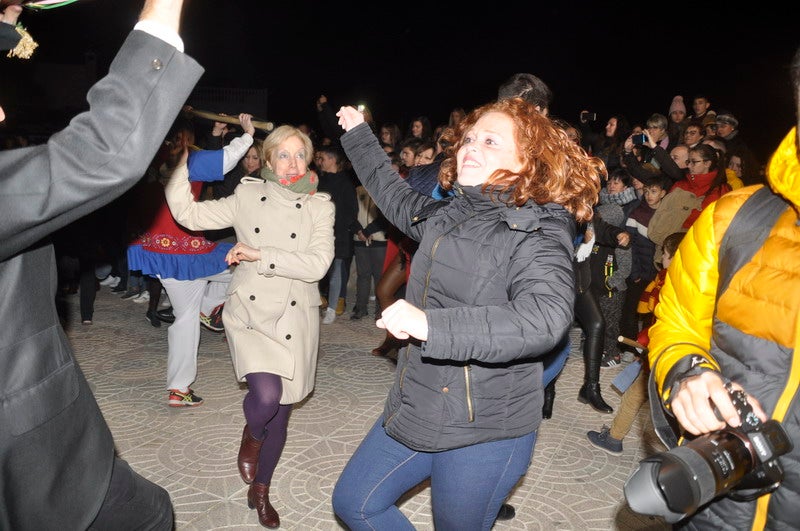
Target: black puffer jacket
{"points": [[497, 287]]}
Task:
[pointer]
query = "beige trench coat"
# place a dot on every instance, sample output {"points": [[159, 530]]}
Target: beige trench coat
{"points": [[272, 313]]}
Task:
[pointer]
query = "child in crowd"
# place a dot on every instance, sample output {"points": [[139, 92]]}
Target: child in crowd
{"points": [[643, 269], [619, 190], [635, 396], [611, 266]]}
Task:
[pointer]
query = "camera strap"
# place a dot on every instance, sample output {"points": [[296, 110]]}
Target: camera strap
{"points": [[745, 235]]}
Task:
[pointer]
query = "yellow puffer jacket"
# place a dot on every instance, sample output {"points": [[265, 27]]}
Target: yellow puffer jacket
{"points": [[762, 302]]}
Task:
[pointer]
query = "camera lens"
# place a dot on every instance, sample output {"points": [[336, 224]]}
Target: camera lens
{"points": [[644, 495], [676, 483]]}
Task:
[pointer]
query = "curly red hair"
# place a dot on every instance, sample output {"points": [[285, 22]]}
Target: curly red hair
{"points": [[554, 168]]}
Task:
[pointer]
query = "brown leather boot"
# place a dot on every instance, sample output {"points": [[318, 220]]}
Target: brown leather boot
{"points": [[258, 499], [248, 455]]}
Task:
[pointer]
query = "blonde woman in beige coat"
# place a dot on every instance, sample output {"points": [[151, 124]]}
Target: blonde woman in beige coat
{"points": [[285, 246]]}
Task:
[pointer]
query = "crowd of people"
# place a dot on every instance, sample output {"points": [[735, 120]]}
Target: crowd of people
{"points": [[483, 240]]}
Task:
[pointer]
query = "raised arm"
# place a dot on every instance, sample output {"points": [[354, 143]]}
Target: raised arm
{"points": [[106, 150]]}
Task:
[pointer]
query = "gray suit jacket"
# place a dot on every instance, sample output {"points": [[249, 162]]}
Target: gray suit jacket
{"points": [[56, 451]]}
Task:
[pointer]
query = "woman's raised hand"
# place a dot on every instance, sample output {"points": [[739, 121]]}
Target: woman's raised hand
{"points": [[247, 123]]}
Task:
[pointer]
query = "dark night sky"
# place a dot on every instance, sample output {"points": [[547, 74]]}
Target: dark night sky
{"points": [[405, 59]]}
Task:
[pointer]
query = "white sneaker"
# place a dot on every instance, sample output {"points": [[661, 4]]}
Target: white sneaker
{"points": [[111, 281], [144, 296], [330, 316]]}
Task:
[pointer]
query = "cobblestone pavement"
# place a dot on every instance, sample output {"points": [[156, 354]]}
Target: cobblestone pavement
{"points": [[192, 451]]}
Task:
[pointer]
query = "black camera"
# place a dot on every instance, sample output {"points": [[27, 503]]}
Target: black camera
{"points": [[740, 462], [587, 116], [639, 139]]}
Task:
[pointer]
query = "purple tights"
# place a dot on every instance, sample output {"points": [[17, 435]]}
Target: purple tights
{"points": [[267, 419]]}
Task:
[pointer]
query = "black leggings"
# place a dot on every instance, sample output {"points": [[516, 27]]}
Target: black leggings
{"points": [[593, 324]]}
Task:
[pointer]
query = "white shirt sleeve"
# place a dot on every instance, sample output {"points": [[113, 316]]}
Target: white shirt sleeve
{"points": [[234, 151], [160, 31]]}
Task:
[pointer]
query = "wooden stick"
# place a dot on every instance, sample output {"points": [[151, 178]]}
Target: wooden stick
{"points": [[632, 343], [224, 118]]}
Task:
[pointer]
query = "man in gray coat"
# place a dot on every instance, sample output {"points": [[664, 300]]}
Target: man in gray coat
{"points": [[58, 469]]}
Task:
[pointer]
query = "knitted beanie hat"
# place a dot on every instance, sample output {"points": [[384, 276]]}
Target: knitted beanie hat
{"points": [[677, 105]]}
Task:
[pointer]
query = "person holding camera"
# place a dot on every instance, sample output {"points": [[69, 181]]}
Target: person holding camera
{"points": [[608, 144], [728, 320], [58, 466]]}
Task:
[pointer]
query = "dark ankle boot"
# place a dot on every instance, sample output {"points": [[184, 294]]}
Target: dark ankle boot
{"points": [[248, 455], [549, 398], [590, 394], [258, 499]]}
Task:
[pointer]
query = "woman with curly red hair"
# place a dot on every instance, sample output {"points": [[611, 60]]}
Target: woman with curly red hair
{"points": [[491, 293]]}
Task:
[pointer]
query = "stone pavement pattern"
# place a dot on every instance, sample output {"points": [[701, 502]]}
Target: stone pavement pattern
{"points": [[191, 452]]}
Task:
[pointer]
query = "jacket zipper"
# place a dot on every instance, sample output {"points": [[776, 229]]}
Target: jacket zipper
{"points": [[424, 302], [467, 368], [468, 383]]}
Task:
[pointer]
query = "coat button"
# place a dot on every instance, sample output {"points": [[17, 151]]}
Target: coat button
{"points": [[298, 205], [272, 266], [294, 235], [156, 64], [264, 198], [445, 389], [258, 230], [288, 336], [252, 297], [293, 303]]}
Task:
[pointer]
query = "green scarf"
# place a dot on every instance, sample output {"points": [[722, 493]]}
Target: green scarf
{"points": [[302, 184]]}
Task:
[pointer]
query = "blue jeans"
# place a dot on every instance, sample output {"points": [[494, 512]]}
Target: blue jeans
{"points": [[554, 363], [468, 485], [335, 282]]}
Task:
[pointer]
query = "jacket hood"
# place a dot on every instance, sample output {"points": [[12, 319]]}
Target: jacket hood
{"points": [[783, 170], [527, 217]]}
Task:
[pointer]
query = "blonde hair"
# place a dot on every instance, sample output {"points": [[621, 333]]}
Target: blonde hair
{"points": [[258, 145], [278, 136]]}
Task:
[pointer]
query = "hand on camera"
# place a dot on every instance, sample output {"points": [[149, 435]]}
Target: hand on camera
{"points": [[694, 402]]}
